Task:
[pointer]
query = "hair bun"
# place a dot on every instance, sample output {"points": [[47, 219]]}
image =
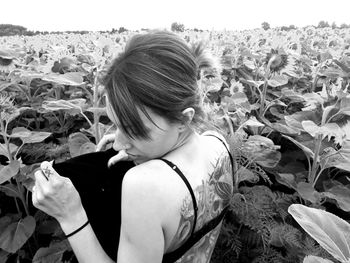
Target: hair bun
{"points": [[205, 59]]}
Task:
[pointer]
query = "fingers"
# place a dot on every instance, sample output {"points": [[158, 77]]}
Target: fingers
{"points": [[46, 177], [41, 184], [47, 183], [104, 141], [121, 156], [40, 178], [48, 170]]}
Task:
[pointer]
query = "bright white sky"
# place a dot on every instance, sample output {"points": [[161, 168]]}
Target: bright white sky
{"points": [[61, 15]]}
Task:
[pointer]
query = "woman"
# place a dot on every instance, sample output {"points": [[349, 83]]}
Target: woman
{"points": [[174, 196]]}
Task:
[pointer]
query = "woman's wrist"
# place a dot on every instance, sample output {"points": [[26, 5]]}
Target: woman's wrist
{"points": [[71, 224], [78, 229]]}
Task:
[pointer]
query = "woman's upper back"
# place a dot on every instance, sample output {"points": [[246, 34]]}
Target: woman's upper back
{"points": [[205, 165]]}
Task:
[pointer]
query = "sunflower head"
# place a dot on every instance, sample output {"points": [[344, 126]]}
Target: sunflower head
{"points": [[279, 61], [7, 58]]}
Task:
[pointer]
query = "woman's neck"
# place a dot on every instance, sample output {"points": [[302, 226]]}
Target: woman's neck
{"points": [[184, 138]]}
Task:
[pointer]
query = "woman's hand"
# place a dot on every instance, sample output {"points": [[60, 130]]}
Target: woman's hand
{"points": [[56, 196], [105, 140], [120, 156]]}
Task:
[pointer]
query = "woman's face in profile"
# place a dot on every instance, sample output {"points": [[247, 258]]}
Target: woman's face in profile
{"points": [[163, 137]]}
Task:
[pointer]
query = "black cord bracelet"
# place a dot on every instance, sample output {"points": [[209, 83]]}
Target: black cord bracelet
{"points": [[76, 231]]}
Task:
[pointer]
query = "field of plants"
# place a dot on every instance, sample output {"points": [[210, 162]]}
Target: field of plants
{"points": [[281, 98]]}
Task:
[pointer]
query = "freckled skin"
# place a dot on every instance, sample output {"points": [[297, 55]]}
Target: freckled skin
{"points": [[211, 198]]}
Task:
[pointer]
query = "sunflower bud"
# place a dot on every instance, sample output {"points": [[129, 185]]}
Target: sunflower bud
{"points": [[6, 106]]}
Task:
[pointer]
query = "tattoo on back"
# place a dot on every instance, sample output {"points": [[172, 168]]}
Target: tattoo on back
{"points": [[212, 197]]}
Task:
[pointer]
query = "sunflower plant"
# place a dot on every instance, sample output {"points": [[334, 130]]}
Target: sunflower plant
{"points": [[289, 125], [16, 229]]}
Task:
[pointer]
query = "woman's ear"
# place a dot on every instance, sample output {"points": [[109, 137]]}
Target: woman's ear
{"points": [[188, 114]]}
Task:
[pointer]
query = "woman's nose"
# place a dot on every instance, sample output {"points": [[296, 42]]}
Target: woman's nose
{"points": [[121, 141]]}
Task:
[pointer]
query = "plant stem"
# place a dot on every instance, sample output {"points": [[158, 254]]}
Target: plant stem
{"points": [[7, 143], [318, 175], [86, 118], [96, 114], [229, 123], [19, 186], [263, 98], [315, 163]]}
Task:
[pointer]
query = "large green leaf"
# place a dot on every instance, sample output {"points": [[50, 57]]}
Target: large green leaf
{"points": [[300, 116], [332, 72], [28, 136], [8, 117], [80, 144], [8, 53], [311, 128], [292, 95], [345, 105], [51, 254], [307, 192], [213, 84], [313, 99], [244, 174], [69, 78], [330, 231], [262, 150], [293, 123], [16, 234], [9, 171], [287, 179], [4, 255], [253, 122], [314, 259], [339, 159], [308, 152], [65, 64], [328, 112], [284, 129], [329, 130], [72, 107], [3, 149], [5, 221], [340, 193], [278, 80], [333, 130], [10, 190]]}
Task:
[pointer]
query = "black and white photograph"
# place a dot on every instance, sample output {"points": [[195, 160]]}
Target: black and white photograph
{"points": [[175, 131]]}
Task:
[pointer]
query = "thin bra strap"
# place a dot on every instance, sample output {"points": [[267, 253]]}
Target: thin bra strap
{"points": [[195, 207], [229, 153]]}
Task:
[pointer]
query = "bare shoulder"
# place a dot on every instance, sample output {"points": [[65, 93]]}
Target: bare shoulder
{"points": [[146, 183], [215, 143], [210, 134], [146, 177]]}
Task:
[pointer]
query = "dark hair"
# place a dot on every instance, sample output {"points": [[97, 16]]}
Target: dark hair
{"points": [[157, 71]]}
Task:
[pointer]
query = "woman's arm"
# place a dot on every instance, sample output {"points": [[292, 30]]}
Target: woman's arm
{"points": [[87, 248], [141, 235], [141, 238]]}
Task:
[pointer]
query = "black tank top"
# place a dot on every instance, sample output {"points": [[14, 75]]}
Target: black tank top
{"points": [[100, 190]]}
